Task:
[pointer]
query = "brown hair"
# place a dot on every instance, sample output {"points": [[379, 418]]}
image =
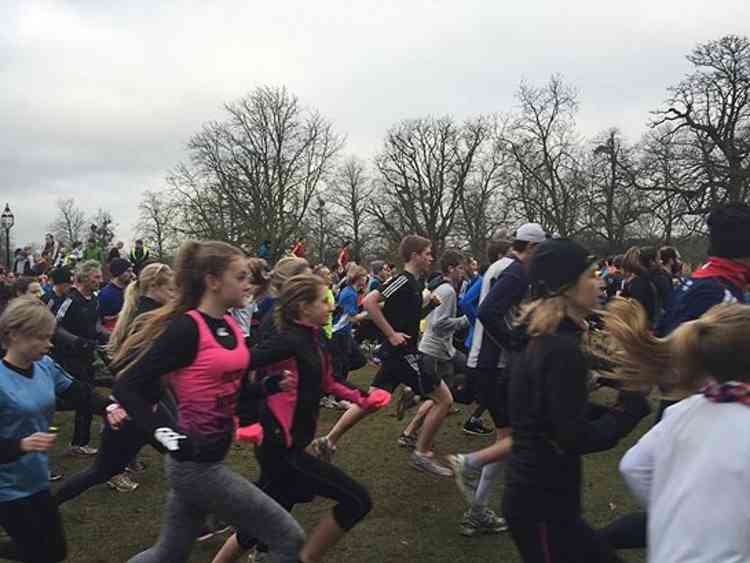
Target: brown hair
{"points": [[22, 284], [152, 276], [412, 244], [297, 291], [283, 270], [632, 263], [356, 273], [259, 272], [26, 315], [451, 259], [715, 345], [496, 249], [195, 260]]}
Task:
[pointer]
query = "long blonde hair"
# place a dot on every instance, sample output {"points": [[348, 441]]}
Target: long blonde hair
{"points": [[195, 260], [153, 276], [543, 316], [715, 345]]}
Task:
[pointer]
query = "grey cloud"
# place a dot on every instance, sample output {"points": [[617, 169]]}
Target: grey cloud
{"points": [[99, 98]]}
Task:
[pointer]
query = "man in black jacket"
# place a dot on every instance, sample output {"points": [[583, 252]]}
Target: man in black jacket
{"points": [[477, 472], [78, 315]]}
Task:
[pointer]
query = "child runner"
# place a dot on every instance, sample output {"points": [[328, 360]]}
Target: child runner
{"points": [[403, 308], [693, 487], [439, 360], [552, 422], [30, 381], [288, 473], [199, 349]]}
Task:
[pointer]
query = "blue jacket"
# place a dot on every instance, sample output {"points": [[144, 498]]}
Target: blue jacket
{"points": [[693, 297]]}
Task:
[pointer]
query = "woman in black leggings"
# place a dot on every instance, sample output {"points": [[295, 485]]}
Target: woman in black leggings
{"points": [[289, 474], [154, 288]]}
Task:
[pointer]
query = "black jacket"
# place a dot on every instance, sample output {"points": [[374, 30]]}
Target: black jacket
{"points": [[554, 424]]}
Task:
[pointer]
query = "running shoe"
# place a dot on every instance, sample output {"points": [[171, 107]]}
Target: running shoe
{"points": [[323, 449], [407, 441], [485, 522], [405, 402], [83, 450], [343, 405], [467, 478], [122, 483], [54, 476], [213, 527], [429, 465], [474, 427], [136, 466]]}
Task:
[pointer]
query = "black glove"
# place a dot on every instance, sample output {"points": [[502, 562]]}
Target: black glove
{"points": [[633, 403], [84, 345], [272, 384]]}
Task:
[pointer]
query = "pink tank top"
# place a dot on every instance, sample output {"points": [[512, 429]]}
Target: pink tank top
{"points": [[206, 391]]}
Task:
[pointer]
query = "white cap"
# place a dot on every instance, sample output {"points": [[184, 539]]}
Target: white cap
{"points": [[531, 232]]}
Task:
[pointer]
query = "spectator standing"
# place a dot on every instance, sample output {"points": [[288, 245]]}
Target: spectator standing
{"points": [[139, 256]]}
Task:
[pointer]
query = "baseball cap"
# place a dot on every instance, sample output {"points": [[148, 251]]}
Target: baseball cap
{"points": [[556, 265], [531, 232]]}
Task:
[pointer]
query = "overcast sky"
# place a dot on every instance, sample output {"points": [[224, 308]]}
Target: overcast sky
{"points": [[99, 98]]}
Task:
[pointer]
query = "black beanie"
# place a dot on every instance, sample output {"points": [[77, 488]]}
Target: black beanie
{"points": [[61, 275], [556, 265], [729, 231]]}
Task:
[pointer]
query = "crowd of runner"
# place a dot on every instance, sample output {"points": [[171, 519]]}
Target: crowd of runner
{"points": [[223, 347]]}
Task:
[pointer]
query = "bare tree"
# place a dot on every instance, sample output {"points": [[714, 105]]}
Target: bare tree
{"points": [[156, 222], [485, 201], [713, 104], [615, 204], [351, 191], [423, 169], [69, 222], [105, 227], [252, 177], [548, 181]]}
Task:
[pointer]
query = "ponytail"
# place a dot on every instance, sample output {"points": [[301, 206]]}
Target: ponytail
{"points": [[715, 345], [195, 260], [152, 276], [297, 291]]}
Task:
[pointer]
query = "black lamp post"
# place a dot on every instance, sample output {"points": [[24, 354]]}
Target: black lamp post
{"points": [[321, 211], [7, 220]]}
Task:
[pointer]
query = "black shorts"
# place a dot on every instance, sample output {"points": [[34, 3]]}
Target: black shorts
{"points": [[405, 369], [493, 394]]}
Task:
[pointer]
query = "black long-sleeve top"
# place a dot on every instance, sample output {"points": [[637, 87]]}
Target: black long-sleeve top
{"points": [[139, 386], [290, 418], [554, 424]]}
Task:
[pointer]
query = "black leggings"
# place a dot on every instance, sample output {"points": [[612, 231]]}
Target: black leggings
{"points": [[568, 540], [117, 450], [35, 528], [291, 476]]}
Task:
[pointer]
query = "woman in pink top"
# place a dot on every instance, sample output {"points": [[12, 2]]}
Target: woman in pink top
{"points": [[196, 350]]}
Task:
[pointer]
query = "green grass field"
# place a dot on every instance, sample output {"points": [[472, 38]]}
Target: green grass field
{"points": [[415, 517]]}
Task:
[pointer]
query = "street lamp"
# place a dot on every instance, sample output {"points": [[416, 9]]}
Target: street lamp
{"points": [[321, 209], [7, 220]]}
